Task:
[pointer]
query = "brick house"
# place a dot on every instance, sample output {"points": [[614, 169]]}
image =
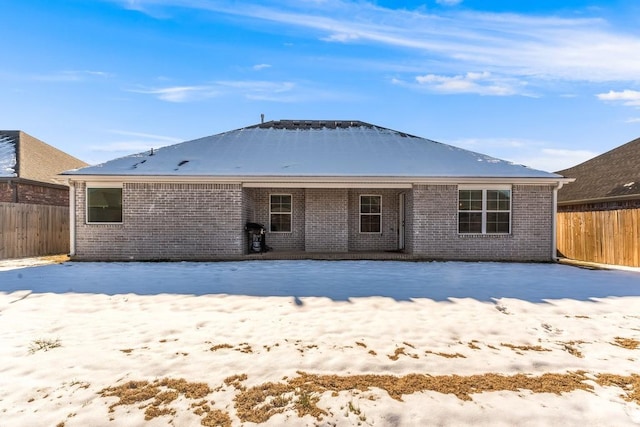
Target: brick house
{"points": [[599, 213], [337, 187], [29, 170], [608, 181]]}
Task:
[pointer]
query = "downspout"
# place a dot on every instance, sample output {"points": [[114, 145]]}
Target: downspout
{"points": [[554, 225], [13, 187], [72, 218]]}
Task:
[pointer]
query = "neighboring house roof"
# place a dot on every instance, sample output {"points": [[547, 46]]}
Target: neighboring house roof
{"points": [[25, 157], [614, 175], [312, 148]]}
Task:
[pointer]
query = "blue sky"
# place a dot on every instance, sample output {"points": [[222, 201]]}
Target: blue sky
{"points": [[544, 83]]}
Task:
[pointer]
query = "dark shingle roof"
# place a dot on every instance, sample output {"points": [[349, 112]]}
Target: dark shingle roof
{"points": [[318, 124], [612, 175]]}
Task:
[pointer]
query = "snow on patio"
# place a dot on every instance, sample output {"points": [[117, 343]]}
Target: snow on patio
{"points": [[318, 343]]}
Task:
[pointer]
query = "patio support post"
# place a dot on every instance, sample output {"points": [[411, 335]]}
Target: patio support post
{"points": [[72, 218], [554, 221]]}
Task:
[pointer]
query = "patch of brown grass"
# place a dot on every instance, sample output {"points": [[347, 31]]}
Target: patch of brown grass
{"points": [[216, 418], [628, 343], [630, 385], [524, 347], [156, 396], [570, 348], [254, 404], [302, 393], [236, 381], [58, 259], [447, 355], [472, 345], [220, 346], [400, 351], [244, 348]]}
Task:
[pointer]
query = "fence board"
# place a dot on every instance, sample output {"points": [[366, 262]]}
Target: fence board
{"points": [[33, 230], [608, 237]]}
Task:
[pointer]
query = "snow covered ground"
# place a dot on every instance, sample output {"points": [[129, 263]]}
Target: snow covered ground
{"points": [[318, 343]]}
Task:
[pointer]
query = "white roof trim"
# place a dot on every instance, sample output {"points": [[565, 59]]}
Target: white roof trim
{"points": [[319, 182], [326, 185]]}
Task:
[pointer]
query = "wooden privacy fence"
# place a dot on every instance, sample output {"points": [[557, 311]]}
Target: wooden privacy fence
{"points": [[608, 237], [33, 230]]}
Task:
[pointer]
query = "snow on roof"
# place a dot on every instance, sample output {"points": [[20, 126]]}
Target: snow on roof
{"points": [[312, 148], [7, 156]]}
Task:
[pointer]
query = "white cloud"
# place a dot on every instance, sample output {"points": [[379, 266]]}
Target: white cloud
{"points": [[70, 76], [478, 83], [180, 93], [250, 89], [555, 159], [532, 46], [129, 146], [449, 2], [627, 97], [342, 37], [534, 154], [261, 90], [633, 120], [135, 143], [151, 136], [259, 67], [579, 49]]}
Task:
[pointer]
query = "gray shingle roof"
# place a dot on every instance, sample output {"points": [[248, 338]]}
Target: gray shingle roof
{"points": [[312, 148], [614, 174]]}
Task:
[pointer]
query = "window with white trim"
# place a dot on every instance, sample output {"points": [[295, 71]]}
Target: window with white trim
{"points": [[370, 214], [280, 209], [484, 211], [104, 204]]}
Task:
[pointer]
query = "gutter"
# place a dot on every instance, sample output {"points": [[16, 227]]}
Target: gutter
{"points": [[14, 190], [316, 180]]}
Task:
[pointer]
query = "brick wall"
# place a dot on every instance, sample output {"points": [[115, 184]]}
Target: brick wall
{"points": [[248, 215], [21, 192], [408, 222], [166, 221], [385, 241], [6, 192], [296, 240], [436, 233], [326, 220], [206, 221], [259, 198]]}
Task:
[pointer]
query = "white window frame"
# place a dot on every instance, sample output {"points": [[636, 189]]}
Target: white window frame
{"points": [[360, 214], [91, 185], [484, 211], [290, 213]]}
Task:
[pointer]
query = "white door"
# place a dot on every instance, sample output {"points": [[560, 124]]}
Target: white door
{"points": [[401, 221]]}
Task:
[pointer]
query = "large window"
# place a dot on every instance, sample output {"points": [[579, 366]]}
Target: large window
{"points": [[370, 214], [280, 213], [104, 204], [484, 211]]}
